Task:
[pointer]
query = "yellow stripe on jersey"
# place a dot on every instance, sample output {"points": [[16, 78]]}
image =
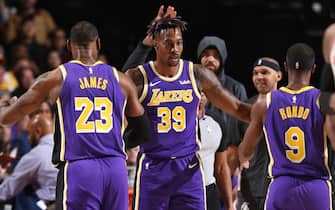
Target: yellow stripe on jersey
{"points": [[318, 101], [268, 99], [330, 194], [63, 70], [271, 163], [116, 74], [168, 79], [193, 80], [60, 118], [79, 62], [325, 150], [198, 94], [145, 83], [203, 178], [123, 127], [285, 89], [138, 181], [62, 132]]}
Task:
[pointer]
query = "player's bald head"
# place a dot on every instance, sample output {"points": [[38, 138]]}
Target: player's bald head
{"points": [[328, 42]]}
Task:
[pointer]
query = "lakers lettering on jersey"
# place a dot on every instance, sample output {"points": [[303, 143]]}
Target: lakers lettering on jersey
{"points": [[172, 106]]}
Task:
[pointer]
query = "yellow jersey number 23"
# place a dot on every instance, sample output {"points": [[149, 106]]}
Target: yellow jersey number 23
{"points": [[101, 104]]}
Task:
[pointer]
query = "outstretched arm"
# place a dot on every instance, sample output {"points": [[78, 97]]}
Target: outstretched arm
{"points": [[46, 87], [219, 96], [253, 133]]}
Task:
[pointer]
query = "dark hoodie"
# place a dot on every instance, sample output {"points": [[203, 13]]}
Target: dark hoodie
{"points": [[233, 129]]}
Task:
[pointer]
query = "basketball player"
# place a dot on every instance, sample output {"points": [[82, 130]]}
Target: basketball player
{"points": [[169, 171], [294, 131], [91, 99]]}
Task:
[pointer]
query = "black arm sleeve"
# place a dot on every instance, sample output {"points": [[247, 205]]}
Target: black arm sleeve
{"points": [[137, 131], [137, 57]]}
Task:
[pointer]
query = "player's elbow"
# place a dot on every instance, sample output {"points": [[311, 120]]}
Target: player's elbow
{"points": [[137, 131]]}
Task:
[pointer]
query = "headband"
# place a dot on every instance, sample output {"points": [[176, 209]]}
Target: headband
{"points": [[270, 64]]}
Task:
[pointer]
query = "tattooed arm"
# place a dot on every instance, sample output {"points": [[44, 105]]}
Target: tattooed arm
{"points": [[137, 78], [46, 87], [219, 96]]}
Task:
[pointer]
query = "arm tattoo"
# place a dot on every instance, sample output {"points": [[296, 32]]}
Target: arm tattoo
{"points": [[207, 79], [137, 78]]}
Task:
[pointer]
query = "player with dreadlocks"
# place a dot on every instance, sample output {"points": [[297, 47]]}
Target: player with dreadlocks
{"points": [[169, 174]]}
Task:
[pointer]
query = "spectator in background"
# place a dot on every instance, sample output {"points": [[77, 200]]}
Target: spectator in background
{"points": [[58, 42], [27, 36], [34, 169], [25, 71], [5, 84], [4, 138], [5, 12], [54, 60], [7, 78], [254, 180], [43, 21], [212, 53], [17, 51], [19, 140], [20, 132]]}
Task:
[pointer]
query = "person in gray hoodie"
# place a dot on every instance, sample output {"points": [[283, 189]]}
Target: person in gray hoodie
{"points": [[212, 53]]}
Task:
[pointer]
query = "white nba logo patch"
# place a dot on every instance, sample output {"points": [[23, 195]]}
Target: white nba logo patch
{"points": [[294, 99], [296, 65]]}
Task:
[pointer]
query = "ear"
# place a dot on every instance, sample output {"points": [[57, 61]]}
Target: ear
{"points": [[313, 68], [279, 76], [38, 131], [155, 43], [68, 45], [285, 66], [98, 44]]}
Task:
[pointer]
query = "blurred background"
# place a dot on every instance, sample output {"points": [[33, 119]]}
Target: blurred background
{"points": [[251, 28]]}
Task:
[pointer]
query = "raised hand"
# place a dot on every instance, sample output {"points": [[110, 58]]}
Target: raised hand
{"points": [[170, 11]]}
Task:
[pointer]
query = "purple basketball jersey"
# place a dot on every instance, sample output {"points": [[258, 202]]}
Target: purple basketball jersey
{"points": [[90, 113], [294, 129], [171, 104]]}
